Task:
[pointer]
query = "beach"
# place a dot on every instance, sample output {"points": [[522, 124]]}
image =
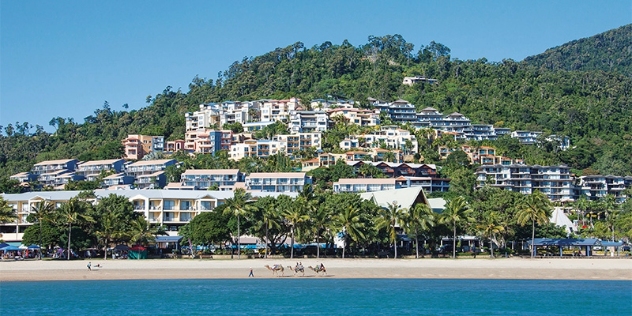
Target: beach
{"points": [[480, 268]]}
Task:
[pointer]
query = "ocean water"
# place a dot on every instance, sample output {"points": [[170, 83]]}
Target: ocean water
{"points": [[320, 296]]}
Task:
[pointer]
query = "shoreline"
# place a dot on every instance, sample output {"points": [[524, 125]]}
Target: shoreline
{"points": [[482, 268]]}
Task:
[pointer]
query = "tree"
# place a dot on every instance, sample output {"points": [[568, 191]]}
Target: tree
{"points": [[536, 208], [142, 233], [239, 205], [294, 216], [420, 218], [349, 221], [489, 227], [73, 212], [207, 228], [43, 210], [7, 214], [389, 218], [456, 211]]}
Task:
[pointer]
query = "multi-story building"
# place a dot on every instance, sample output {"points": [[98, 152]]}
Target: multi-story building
{"points": [[205, 118], [256, 126], [237, 112], [24, 177], [400, 111], [526, 137], [261, 148], [277, 182], [394, 170], [595, 187], [118, 180], [391, 137], [482, 155], [173, 146], [208, 141], [54, 165], [554, 181], [308, 121], [361, 117], [277, 110], [150, 174], [300, 141], [171, 209], [224, 179], [322, 104], [91, 170], [137, 146], [364, 185], [409, 81]]}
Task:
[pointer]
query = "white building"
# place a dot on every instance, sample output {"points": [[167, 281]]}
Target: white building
{"points": [[261, 148], [277, 182], [277, 110], [308, 121]]}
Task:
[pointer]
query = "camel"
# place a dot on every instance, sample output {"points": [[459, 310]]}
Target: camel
{"points": [[297, 269], [275, 269], [318, 269]]}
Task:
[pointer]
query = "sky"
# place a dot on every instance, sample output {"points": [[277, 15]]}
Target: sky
{"points": [[66, 58]]}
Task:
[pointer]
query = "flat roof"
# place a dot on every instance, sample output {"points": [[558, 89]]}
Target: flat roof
{"points": [[54, 162], [151, 162], [100, 162], [277, 175], [210, 171], [366, 181]]}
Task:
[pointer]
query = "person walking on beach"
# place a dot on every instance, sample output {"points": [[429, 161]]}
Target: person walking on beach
{"points": [[89, 266], [251, 274]]}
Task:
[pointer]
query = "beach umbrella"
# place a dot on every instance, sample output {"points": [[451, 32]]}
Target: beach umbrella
{"points": [[10, 248], [4, 244], [22, 247], [121, 247]]}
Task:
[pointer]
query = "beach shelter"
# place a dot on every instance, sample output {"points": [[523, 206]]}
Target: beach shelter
{"points": [[34, 247], [4, 244], [10, 248], [137, 252]]}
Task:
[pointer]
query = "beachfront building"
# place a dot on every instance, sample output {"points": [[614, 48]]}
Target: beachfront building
{"points": [[596, 187], [361, 117], [91, 170], [171, 209], [203, 179], [136, 147], [277, 182], [308, 121], [261, 148], [301, 141]]}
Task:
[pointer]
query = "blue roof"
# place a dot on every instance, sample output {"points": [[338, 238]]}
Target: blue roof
{"points": [[566, 242], [612, 243], [168, 238]]}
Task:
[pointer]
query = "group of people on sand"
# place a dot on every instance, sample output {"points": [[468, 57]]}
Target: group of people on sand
{"points": [[97, 266]]}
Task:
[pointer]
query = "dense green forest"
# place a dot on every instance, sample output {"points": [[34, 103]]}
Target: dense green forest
{"points": [[591, 102]]}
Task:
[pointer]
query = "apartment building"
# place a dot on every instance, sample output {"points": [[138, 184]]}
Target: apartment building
{"points": [[277, 182], [400, 111], [171, 209], [54, 165], [595, 187], [261, 148], [24, 177], [483, 155], [207, 116], [277, 110], [391, 137], [207, 141], [202, 179], [526, 137], [173, 146], [394, 170], [308, 122], [150, 174], [409, 81], [118, 180], [238, 112], [554, 181], [300, 141], [91, 170], [363, 185], [361, 117], [137, 146]]}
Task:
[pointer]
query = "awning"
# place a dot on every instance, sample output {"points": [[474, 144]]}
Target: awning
{"points": [[566, 242], [612, 243], [168, 238]]}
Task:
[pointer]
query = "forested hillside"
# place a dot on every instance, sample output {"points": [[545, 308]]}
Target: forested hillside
{"points": [[610, 51], [593, 107]]}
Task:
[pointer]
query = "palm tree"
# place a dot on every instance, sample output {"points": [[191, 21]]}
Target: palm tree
{"points": [[388, 219], [349, 220], [42, 210], [457, 210], [420, 218], [73, 212], [108, 231], [294, 216], [536, 208], [582, 204], [7, 214], [320, 218], [239, 205], [489, 227], [142, 233]]}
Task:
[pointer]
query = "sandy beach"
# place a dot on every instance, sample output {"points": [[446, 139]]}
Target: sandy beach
{"points": [[481, 268]]}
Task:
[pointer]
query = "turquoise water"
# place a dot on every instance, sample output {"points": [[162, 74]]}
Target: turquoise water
{"points": [[318, 297]]}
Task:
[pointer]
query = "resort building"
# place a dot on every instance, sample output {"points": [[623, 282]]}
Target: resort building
{"points": [[400, 111], [204, 119], [277, 182], [54, 165], [308, 122], [207, 141], [526, 137], [277, 110], [409, 81], [363, 185], [150, 174], [24, 177], [482, 155], [300, 141], [261, 148], [595, 187], [91, 170], [173, 146], [361, 117], [171, 209], [118, 180], [203, 179], [137, 146]]}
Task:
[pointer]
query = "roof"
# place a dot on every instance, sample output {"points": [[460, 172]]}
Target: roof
{"points": [[406, 198], [366, 181], [116, 176], [54, 162], [100, 162], [210, 171], [277, 175], [560, 219], [21, 174], [151, 162], [155, 174], [437, 203], [168, 238], [566, 242]]}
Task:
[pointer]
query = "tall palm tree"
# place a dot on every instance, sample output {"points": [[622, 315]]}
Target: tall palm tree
{"points": [[420, 218], [7, 214], [389, 218], [349, 221], [582, 204], [536, 208], [42, 211], [73, 212], [142, 233], [239, 205], [489, 227], [456, 211], [108, 231], [319, 220], [294, 217]]}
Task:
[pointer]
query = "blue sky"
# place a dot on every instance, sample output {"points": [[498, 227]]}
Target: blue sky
{"points": [[65, 58]]}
